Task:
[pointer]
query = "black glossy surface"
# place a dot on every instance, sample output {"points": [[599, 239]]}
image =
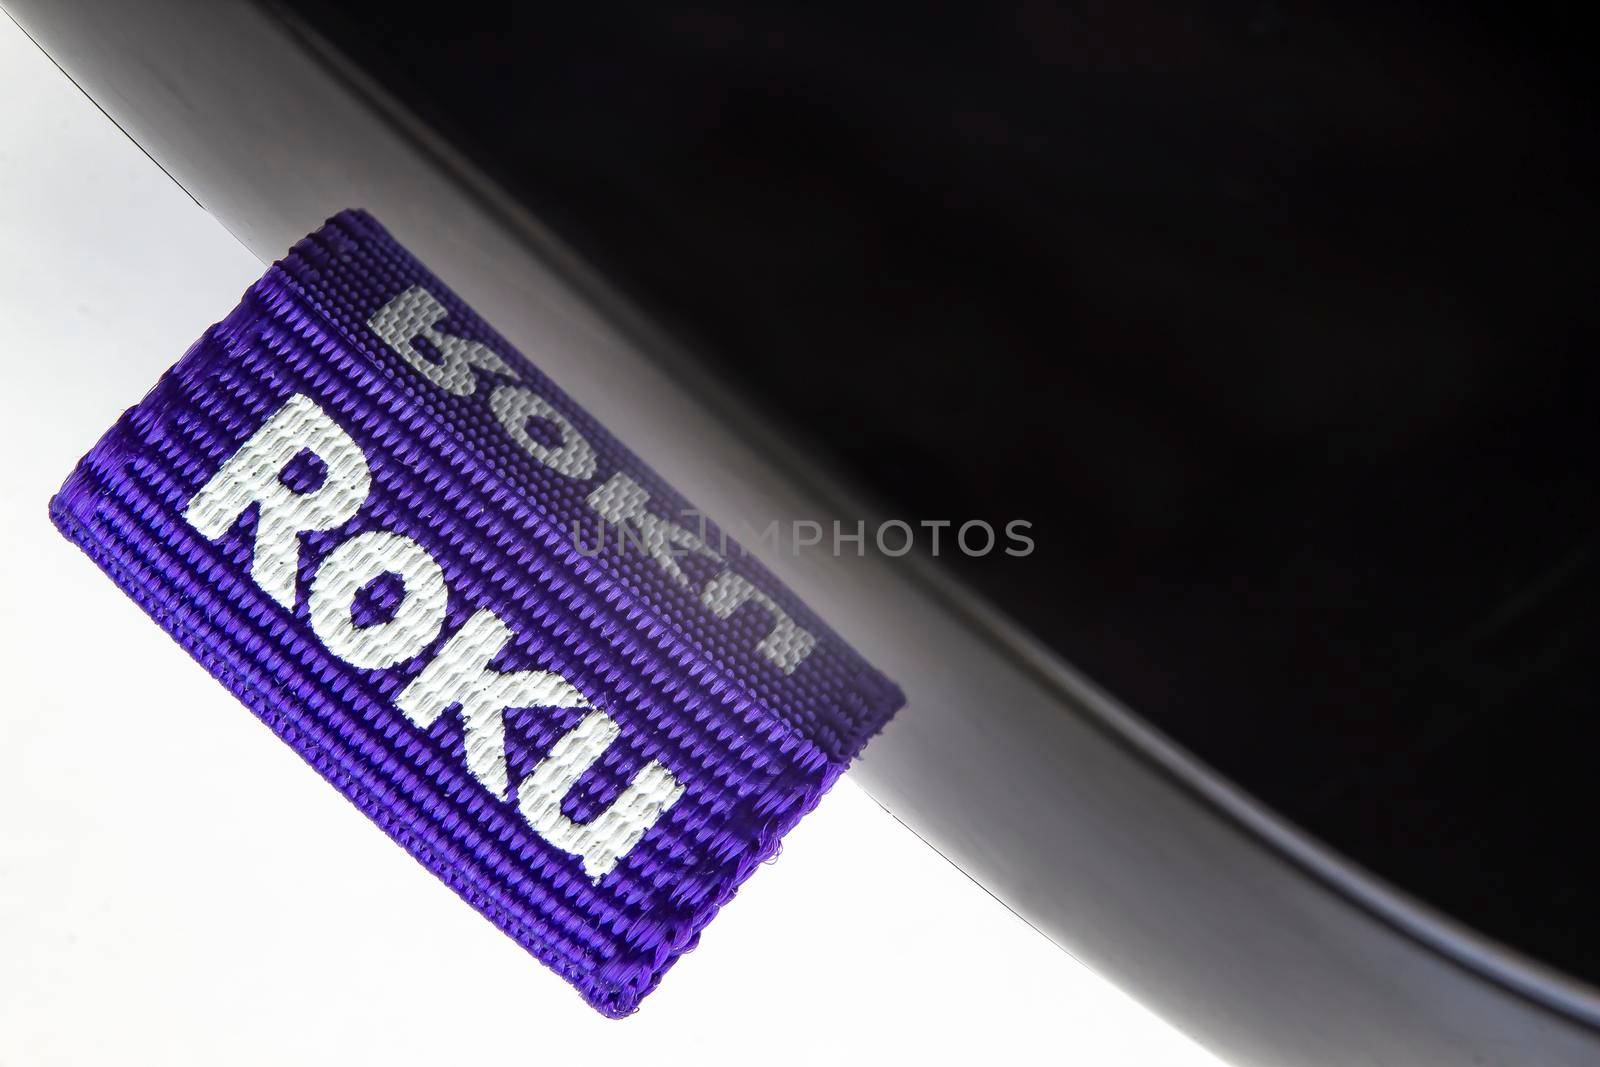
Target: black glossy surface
{"points": [[1276, 321]]}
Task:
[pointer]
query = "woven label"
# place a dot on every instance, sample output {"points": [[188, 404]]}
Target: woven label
{"points": [[473, 611]]}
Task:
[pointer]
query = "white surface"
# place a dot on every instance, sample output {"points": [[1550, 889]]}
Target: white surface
{"points": [[176, 887]]}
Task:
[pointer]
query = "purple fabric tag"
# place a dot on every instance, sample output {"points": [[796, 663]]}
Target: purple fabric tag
{"points": [[475, 612]]}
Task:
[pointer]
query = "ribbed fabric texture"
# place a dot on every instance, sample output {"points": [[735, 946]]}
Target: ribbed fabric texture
{"points": [[750, 728]]}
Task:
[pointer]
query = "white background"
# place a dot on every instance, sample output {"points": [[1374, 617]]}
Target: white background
{"points": [[176, 887]]}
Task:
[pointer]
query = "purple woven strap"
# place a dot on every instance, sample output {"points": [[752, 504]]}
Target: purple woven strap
{"points": [[473, 611]]}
